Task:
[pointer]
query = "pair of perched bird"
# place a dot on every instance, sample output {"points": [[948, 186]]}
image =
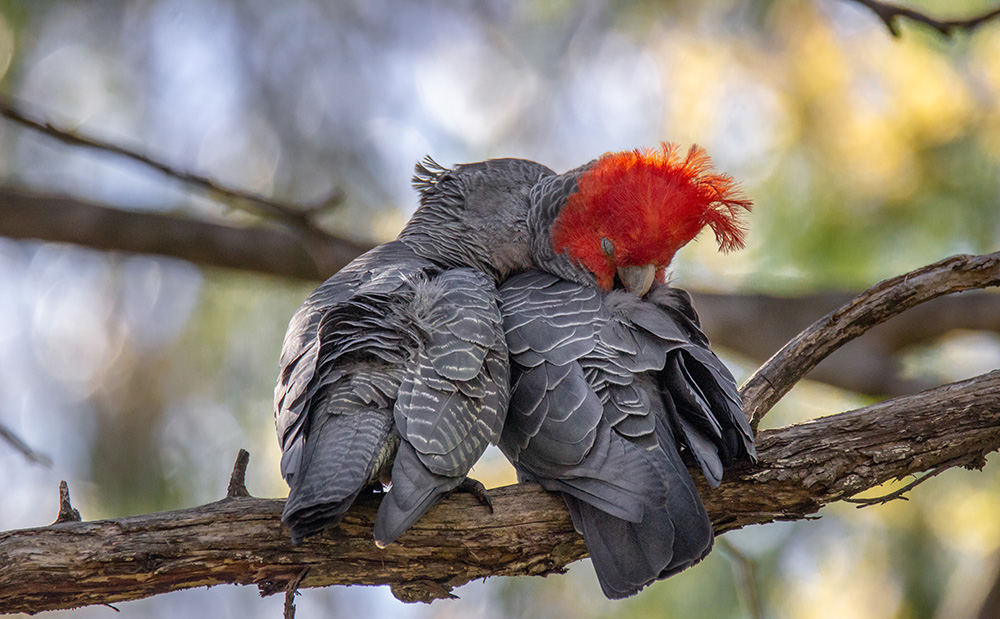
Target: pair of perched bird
{"points": [[526, 308]]}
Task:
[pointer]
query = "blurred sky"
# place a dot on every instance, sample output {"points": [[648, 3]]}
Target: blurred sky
{"points": [[141, 377]]}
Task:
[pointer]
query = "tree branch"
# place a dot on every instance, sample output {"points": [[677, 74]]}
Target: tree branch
{"points": [[25, 215], [240, 540], [877, 304], [756, 325], [297, 217], [15, 441], [891, 13]]}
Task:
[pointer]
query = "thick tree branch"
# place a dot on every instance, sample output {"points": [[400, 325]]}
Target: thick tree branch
{"points": [[241, 540], [877, 304], [25, 215], [891, 13]]}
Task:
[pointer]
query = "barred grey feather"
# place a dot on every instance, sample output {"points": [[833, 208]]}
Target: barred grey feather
{"points": [[395, 369], [395, 358], [606, 388]]}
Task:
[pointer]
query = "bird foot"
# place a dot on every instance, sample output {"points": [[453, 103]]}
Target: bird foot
{"points": [[478, 490]]}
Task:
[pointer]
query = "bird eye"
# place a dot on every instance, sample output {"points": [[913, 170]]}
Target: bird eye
{"points": [[608, 247]]}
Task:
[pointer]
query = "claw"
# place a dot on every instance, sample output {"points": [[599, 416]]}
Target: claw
{"points": [[478, 490]]}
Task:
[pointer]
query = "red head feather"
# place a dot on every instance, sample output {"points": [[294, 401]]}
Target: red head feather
{"points": [[648, 204]]}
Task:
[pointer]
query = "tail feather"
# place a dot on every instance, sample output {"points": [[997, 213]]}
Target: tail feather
{"points": [[343, 452], [672, 534], [414, 490], [628, 556]]}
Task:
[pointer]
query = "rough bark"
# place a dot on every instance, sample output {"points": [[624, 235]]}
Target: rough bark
{"points": [[241, 540], [876, 305]]}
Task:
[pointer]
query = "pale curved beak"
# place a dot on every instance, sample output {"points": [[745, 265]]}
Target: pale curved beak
{"points": [[637, 279]]}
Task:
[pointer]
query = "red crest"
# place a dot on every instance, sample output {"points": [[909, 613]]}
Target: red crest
{"points": [[648, 204]]}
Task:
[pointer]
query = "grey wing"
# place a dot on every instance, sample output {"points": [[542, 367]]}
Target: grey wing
{"points": [[297, 378], [672, 534], [303, 370], [561, 431], [587, 419], [453, 398], [709, 410], [340, 371], [554, 414], [347, 441]]}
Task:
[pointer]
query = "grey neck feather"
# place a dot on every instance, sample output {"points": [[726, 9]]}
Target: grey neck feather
{"points": [[474, 216], [435, 233], [548, 198]]}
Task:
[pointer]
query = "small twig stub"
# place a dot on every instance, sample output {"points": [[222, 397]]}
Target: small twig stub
{"points": [[67, 513], [899, 494], [291, 589], [237, 480]]}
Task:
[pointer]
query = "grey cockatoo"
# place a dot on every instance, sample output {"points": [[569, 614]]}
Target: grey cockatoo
{"points": [[395, 369], [613, 384]]}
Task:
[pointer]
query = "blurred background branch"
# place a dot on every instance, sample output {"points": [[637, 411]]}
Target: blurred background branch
{"points": [[991, 604], [268, 250], [890, 14], [17, 443], [294, 216], [756, 326]]}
